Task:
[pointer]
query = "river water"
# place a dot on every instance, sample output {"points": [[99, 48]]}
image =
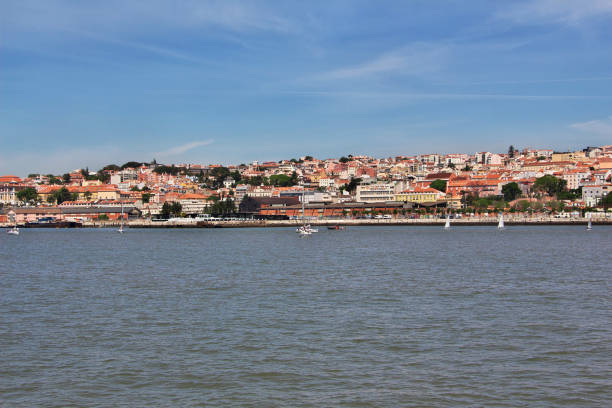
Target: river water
{"points": [[366, 317]]}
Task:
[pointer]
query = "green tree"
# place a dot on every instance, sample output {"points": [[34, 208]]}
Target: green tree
{"points": [[482, 203], [550, 185], [236, 176], [66, 178], [103, 176], [607, 201], [165, 211], [248, 204], [219, 174], [511, 191], [352, 185], [171, 209], [61, 195], [344, 159], [146, 198], [282, 180], [439, 185], [523, 205], [111, 167], [224, 207], [556, 206], [27, 195], [257, 181], [511, 152], [131, 165], [173, 170], [176, 209], [87, 195]]}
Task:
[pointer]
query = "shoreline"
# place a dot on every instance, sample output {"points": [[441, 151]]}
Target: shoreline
{"points": [[480, 221]]}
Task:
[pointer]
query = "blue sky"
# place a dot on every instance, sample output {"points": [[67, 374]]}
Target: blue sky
{"points": [[86, 83]]}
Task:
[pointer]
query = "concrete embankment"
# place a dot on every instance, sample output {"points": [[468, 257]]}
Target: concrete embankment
{"points": [[189, 223]]}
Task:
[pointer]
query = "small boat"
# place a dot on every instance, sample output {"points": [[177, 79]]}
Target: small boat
{"points": [[305, 229], [447, 223], [500, 224], [13, 231], [335, 227], [120, 230], [589, 225]]}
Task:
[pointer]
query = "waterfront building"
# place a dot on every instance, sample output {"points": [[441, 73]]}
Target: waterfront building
{"points": [[420, 195], [372, 193], [592, 195]]}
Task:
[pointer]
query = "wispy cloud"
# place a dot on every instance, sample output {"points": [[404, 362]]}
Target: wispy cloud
{"points": [[542, 81], [434, 95], [121, 16], [600, 126], [152, 49], [556, 11], [184, 148], [412, 60]]}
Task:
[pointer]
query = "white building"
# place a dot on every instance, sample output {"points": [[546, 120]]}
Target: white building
{"points": [[372, 193], [593, 194]]}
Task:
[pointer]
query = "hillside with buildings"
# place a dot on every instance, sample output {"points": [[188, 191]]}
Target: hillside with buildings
{"points": [[528, 180]]}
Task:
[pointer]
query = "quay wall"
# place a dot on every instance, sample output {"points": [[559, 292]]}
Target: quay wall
{"points": [[191, 223], [358, 222]]}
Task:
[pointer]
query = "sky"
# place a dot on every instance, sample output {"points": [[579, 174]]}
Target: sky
{"points": [[88, 83]]}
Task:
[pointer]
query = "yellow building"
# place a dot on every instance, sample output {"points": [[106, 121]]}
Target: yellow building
{"points": [[568, 156], [420, 195]]}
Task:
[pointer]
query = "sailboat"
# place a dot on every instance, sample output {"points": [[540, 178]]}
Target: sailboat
{"points": [[304, 229], [500, 224], [589, 225], [120, 230], [14, 230], [447, 223]]}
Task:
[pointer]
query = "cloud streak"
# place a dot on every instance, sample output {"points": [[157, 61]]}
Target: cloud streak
{"points": [[184, 148], [569, 12], [434, 95], [600, 126], [413, 60]]}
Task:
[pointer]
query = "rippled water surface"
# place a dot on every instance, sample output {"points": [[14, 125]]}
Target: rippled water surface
{"points": [[367, 317]]}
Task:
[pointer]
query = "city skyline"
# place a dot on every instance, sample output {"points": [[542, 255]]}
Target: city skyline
{"points": [[232, 82]]}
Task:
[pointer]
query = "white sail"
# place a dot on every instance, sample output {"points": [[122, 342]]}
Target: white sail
{"points": [[120, 230], [500, 224], [589, 225], [447, 224], [13, 219]]}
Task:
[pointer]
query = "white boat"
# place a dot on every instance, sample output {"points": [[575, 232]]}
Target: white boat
{"points": [[13, 231], [500, 224], [120, 230], [305, 229], [589, 225], [447, 223]]}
